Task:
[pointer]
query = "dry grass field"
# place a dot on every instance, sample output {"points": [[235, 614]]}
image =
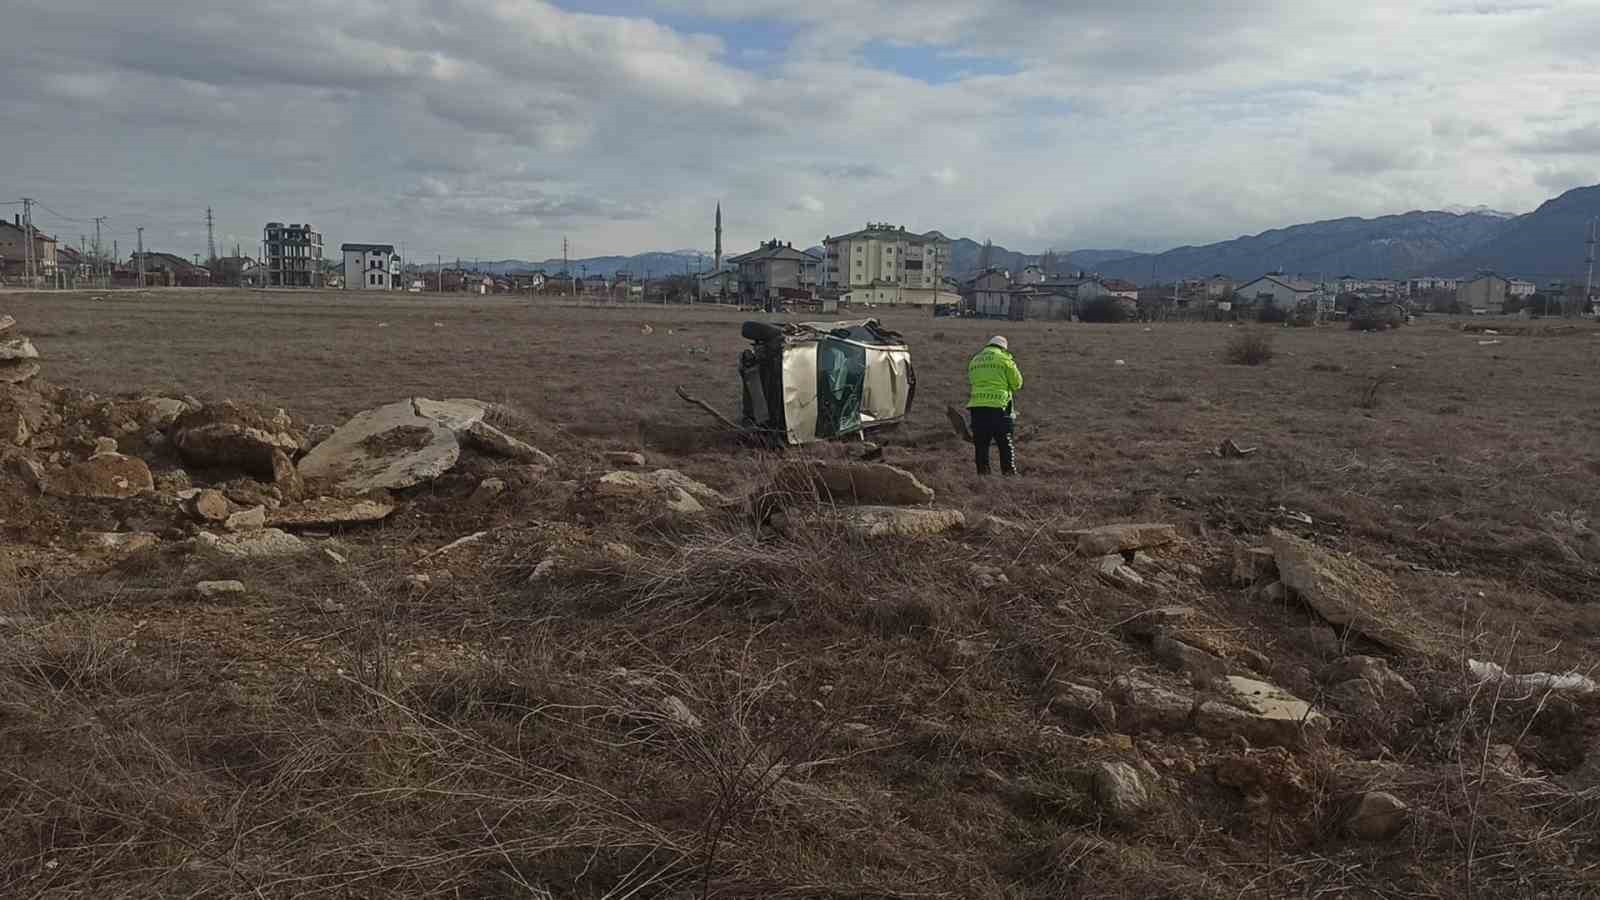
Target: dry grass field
{"points": [[709, 709]]}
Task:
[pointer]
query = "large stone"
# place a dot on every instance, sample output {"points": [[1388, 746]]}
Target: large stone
{"points": [[25, 469], [161, 412], [286, 477], [326, 512], [233, 435], [23, 414], [899, 521], [1252, 564], [17, 371], [874, 483], [105, 476], [1119, 789], [1200, 666], [1390, 685], [1160, 620], [18, 348], [6, 323], [665, 486], [1378, 816], [1346, 592], [1083, 703], [390, 447], [624, 458], [250, 519], [1261, 712], [219, 590], [468, 419], [1124, 538], [266, 543], [1113, 570], [209, 506], [1143, 706]]}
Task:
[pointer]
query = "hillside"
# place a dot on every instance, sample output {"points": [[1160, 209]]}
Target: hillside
{"points": [[965, 254], [1543, 245], [1398, 245]]}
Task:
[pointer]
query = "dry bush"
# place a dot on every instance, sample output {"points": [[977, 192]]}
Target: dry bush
{"points": [[1249, 347], [1372, 395]]}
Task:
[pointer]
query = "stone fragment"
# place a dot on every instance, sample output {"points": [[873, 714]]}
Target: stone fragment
{"points": [[234, 435], [418, 582], [1113, 570], [1346, 592], [105, 445], [899, 521], [487, 490], [1199, 665], [675, 491], [161, 412], [1156, 621], [1253, 564], [285, 477], [329, 512], [1124, 538], [247, 519], [1084, 703], [265, 543], [218, 590], [1119, 789], [6, 323], [105, 476], [387, 448], [334, 556], [679, 713], [624, 458], [468, 420], [17, 371], [1378, 816], [1391, 685], [871, 483], [209, 506], [120, 541], [25, 469], [17, 348], [1262, 713], [1143, 706]]}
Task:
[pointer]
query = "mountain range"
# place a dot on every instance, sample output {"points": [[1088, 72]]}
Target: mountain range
{"points": [[1542, 245]]}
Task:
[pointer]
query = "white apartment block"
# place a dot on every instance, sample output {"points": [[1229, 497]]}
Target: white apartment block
{"points": [[370, 267], [882, 259]]}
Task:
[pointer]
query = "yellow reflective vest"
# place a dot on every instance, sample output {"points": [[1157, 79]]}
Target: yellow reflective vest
{"points": [[994, 377]]}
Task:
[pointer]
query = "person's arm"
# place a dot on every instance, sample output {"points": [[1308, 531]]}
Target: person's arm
{"points": [[1013, 375]]}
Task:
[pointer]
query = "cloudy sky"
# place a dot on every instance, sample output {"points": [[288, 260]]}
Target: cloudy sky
{"points": [[493, 128]]}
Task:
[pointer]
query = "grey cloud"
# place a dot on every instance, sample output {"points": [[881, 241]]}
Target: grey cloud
{"points": [[1582, 140]]}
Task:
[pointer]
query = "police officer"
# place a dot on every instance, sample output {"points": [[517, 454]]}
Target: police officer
{"points": [[994, 377]]}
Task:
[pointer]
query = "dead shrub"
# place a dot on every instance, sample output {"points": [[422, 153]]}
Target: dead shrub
{"points": [[1372, 395], [1250, 347]]}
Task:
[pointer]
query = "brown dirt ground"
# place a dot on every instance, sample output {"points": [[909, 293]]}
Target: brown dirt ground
{"points": [[872, 720]]}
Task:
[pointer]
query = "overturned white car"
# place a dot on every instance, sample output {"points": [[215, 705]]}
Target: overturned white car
{"points": [[812, 381]]}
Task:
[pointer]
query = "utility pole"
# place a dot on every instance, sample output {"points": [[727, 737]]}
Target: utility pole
{"points": [[27, 239], [140, 255], [438, 273], [1588, 282], [99, 252], [211, 240]]}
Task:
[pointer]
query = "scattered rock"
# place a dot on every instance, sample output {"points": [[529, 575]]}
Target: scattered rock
{"points": [[316, 434], [265, 543], [162, 412], [1534, 681], [1084, 703], [992, 524], [1270, 775], [1321, 640], [218, 590], [1119, 789], [1345, 592], [1252, 564], [334, 556], [105, 476], [285, 477], [1230, 449], [1200, 666], [1160, 620], [872, 483], [247, 519], [679, 713], [104, 445], [419, 583], [900, 521], [1391, 685], [209, 506], [487, 490], [25, 469], [1378, 816], [18, 371], [1273, 592], [390, 447], [1261, 712], [1124, 538], [676, 491], [234, 435], [1143, 706], [328, 512], [6, 323], [1114, 570], [17, 348], [624, 458], [120, 541], [544, 569], [326, 606]]}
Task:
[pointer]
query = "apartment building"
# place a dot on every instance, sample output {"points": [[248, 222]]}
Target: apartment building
{"points": [[293, 255], [776, 271], [886, 264], [14, 250], [370, 267]]}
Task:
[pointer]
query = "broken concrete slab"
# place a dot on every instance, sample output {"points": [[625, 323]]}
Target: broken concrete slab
{"points": [[18, 348], [105, 476], [247, 519], [17, 371], [667, 490], [332, 512], [213, 591], [624, 458], [1145, 706], [1084, 703], [1346, 592], [899, 521], [1261, 712], [387, 448], [1123, 538], [468, 419], [266, 543], [878, 484], [1200, 666], [234, 435]]}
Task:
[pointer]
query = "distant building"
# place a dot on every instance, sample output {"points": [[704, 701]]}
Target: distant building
{"points": [[1516, 287], [1219, 287], [1484, 295], [1275, 289], [171, 270], [885, 263], [776, 271], [719, 287], [14, 250], [371, 267], [1427, 283], [987, 294], [292, 254], [1126, 290], [1031, 275]]}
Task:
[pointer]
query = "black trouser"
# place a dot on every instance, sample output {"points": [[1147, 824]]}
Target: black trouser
{"points": [[991, 424]]}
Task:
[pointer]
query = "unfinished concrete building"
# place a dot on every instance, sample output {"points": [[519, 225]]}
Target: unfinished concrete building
{"points": [[293, 255]]}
